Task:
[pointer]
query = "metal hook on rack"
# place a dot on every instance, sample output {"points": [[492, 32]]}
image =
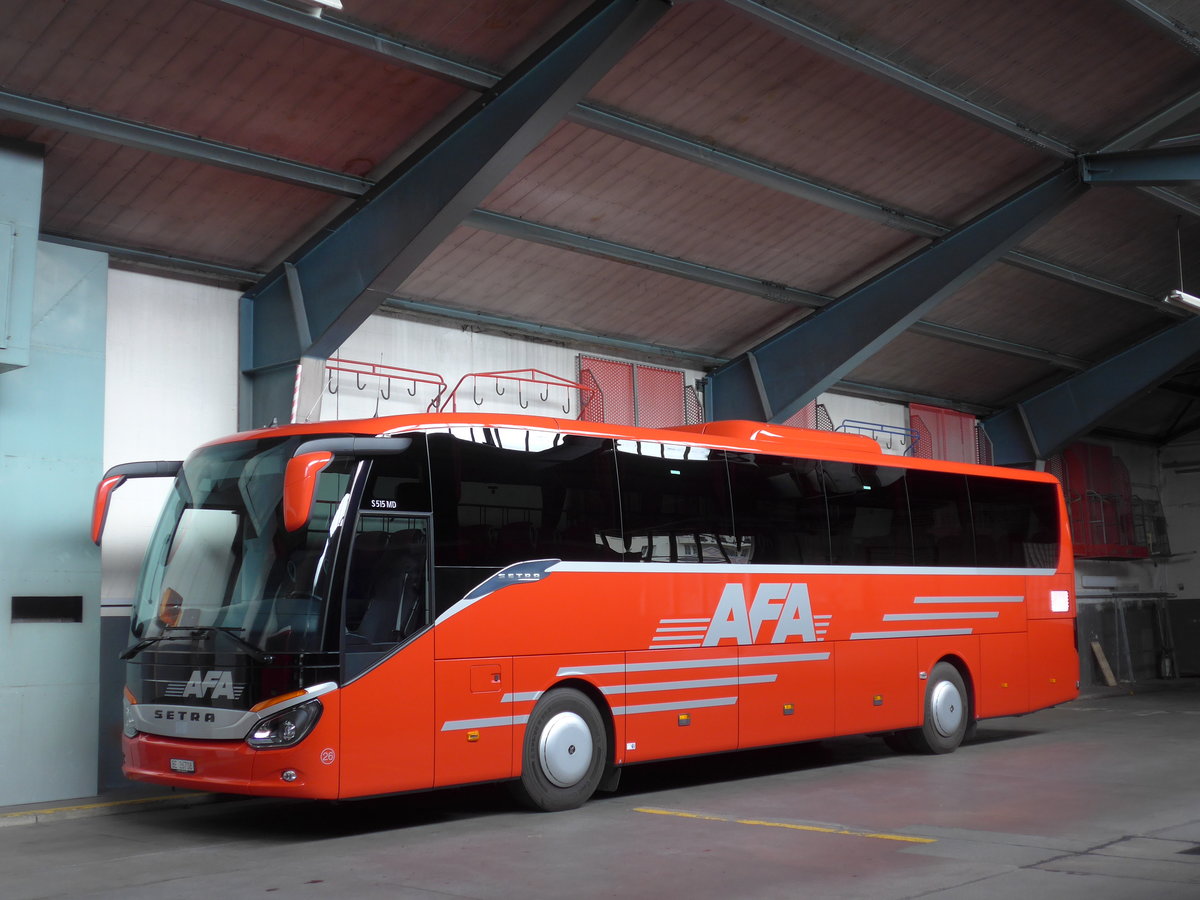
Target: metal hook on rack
{"points": [[567, 405], [521, 398], [385, 380], [475, 392], [546, 394], [499, 390], [332, 385], [358, 381], [413, 392]]}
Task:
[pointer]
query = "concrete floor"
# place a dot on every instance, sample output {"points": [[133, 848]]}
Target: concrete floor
{"points": [[1096, 799]]}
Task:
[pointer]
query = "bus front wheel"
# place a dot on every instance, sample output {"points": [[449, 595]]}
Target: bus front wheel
{"points": [[563, 756]]}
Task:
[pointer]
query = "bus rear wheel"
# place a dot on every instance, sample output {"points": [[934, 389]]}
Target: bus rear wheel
{"points": [[947, 712], [563, 756], [947, 716]]}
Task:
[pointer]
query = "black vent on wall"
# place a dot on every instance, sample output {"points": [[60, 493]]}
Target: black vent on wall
{"points": [[47, 609]]}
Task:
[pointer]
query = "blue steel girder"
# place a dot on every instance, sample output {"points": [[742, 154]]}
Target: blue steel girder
{"points": [[330, 286], [780, 375], [1141, 167], [1042, 425]]}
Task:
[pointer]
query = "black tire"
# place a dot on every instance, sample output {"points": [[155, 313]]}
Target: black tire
{"points": [[947, 712], [563, 758]]}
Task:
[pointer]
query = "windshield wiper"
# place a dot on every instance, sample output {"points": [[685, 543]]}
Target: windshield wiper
{"points": [[230, 633], [131, 652], [196, 630]]}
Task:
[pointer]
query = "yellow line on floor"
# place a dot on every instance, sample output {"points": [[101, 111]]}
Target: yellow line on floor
{"points": [[46, 811], [821, 829]]}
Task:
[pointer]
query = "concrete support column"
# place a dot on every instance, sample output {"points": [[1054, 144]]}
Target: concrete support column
{"points": [[51, 428]]}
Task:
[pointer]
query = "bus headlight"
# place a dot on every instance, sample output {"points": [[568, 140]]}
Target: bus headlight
{"points": [[284, 729]]}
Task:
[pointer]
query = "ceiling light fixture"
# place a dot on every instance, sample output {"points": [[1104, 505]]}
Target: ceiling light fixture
{"points": [[316, 7], [1183, 300], [1180, 298]]}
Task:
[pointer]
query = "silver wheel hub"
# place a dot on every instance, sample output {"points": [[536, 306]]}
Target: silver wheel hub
{"points": [[946, 708], [565, 749]]}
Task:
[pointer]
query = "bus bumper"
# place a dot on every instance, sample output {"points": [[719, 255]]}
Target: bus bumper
{"points": [[309, 769]]}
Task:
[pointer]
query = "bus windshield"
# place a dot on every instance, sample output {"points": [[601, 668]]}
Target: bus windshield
{"points": [[221, 560]]}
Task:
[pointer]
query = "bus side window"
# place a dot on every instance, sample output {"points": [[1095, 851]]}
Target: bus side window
{"points": [[941, 518], [506, 495], [869, 523], [1016, 522], [779, 508], [675, 504]]}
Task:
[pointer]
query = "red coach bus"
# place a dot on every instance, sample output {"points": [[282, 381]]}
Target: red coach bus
{"points": [[349, 609]]}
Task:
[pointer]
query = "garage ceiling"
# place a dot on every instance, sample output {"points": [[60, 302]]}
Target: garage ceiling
{"points": [[745, 163]]}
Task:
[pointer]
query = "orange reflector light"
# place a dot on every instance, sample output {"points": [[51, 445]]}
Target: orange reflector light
{"points": [[472, 737], [261, 706], [129, 696]]}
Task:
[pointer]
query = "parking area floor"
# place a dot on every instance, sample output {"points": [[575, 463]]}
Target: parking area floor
{"points": [[1099, 798]]}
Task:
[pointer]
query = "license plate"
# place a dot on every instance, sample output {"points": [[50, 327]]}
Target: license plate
{"points": [[186, 766]]}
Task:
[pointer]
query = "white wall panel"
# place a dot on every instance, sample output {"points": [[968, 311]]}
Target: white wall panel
{"points": [[172, 379]]}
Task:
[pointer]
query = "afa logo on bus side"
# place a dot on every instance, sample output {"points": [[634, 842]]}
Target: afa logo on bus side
{"points": [[739, 620]]}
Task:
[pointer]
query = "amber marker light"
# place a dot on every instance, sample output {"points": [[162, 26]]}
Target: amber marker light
{"points": [[259, 707]]}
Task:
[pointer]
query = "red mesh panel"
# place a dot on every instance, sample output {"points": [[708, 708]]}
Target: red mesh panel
{"points": [[615, 380], [693, 409], [659, 397], [592, 404], [805, 417], [824, 420], [951, 435], [983, 447], [923, 440]]}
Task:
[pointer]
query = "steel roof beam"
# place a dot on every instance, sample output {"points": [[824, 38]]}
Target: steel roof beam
{"points": [[173, 143], [684, 147], [1150, 167], [829, 45], [1176, 29], [390, 230], [1042, 425], [182, 264], [807, 358], [1154, 124], [340, 31], [839, 49], [526, 230]]}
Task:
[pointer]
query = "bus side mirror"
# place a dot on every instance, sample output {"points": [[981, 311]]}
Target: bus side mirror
{"points": [[115, 477], [300, 487]]}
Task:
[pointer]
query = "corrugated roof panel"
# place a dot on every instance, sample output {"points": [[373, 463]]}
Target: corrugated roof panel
{"points": [[494, 32], [926, 365], [247, 82], [1117, 233], [117, 195], [718, 74], [1017, 305], [482, 271], [1076, 70], [603, 186]]}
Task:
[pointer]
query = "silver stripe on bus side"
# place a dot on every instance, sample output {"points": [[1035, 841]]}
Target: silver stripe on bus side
{"points": [[683, 621], [968, 599], [690, 629], [767, 571], [932, 632], [672, 707], [934, 617], [667, 665], [653, 687], [496, 721], [521, 697]]}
